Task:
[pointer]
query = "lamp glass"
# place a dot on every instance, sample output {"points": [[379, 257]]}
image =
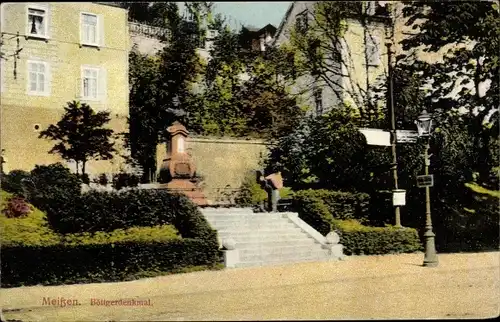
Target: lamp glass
{"points": [[424, 124]]}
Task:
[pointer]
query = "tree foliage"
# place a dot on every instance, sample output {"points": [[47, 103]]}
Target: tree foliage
{"points": [[81, 135], [316, 155], [323, 58], [467, 79], [161, 85]]}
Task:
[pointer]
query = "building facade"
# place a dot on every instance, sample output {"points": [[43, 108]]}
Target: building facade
{"points": [[363, 56], [65, 52]]}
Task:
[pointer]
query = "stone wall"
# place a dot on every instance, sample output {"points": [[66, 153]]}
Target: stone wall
{"points": [[223, 162]]}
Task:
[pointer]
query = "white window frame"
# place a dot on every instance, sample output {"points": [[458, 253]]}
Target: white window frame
{"points": [[82, 95], [35, 6], [97, 30], [318, 100], [46, 78], [371, 7]]}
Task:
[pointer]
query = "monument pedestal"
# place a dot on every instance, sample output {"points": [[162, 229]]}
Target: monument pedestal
{"points": [[189, 189], [178, 171]]}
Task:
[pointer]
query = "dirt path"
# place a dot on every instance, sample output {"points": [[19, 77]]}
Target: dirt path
{"points": [[395, 286]]}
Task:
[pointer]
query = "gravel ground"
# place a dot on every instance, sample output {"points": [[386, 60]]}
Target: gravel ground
{"points": [[361, 287]]}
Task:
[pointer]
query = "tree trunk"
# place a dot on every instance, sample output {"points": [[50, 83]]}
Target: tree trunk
{"points": [[83, 167]]}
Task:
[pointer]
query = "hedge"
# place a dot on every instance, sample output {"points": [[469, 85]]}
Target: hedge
{"points": [[317, 208], [106, 211], [363, 240], [61, 264], [33, 230], [341, 205]]}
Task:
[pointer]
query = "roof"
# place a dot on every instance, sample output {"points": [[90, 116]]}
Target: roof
{"points": [[110, 4], [268, 27], [283, 22], [251, 28]]}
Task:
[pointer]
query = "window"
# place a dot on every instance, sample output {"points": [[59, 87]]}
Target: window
{"points": [[372, 47], [90, 82], [212, 34], [38, 78], [37, 22], [89, 29], [371, 6], [302, 22], [318, 101]]}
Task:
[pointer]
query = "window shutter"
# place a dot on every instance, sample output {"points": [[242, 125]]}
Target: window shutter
{"points": [[102, 83], [48, 15], [372, 49], [79, 87], [82, 30], [100, 24]]}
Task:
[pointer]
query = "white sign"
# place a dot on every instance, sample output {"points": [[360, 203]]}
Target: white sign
{"points": [[406, 136], [399, 197], [376, 136]]}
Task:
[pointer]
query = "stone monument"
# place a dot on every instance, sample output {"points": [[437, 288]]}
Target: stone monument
{"points": [[178, 171]]}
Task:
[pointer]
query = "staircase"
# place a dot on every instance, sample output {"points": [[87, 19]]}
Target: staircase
{"points": [[268, 238]]}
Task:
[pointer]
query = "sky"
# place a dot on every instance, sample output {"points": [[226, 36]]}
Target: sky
{"points": [[257, 14]]}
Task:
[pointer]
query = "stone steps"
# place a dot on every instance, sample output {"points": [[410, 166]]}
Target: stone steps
{"points": [[310, 255], [281, 262], [278, 250], [265, 238]]}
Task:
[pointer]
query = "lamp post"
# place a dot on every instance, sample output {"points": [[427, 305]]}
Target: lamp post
{"points": [[424, 126]]}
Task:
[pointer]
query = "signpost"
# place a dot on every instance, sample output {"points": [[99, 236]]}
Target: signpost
{"points": [[425, 181], [406, 136]]}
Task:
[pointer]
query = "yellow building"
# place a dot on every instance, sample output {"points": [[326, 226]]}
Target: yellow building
{"points": [[362, 63], [68, 51]]}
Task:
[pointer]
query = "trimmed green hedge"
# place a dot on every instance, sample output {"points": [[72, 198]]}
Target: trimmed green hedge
{"points": [[102, 236], [341, 205], [106, 211], [61, 264], [363, 240], [325, 211]]}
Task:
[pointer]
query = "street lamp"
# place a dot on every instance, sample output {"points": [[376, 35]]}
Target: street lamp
{"points": [[424, 126]]}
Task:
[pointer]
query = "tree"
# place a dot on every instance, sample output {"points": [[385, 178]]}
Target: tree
{"points": [[156, 82], [467, 79], [81, 135], [323, 57], [243, 95], [315, 155], [144, 121]]}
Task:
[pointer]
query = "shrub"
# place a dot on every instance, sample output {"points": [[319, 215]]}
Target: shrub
{"points": [[13, 181], [341, 205], [123, 180], [314, 212], [58, 264], [30, 230], [17, 207], [102, 179], [52, 183], [251, 193], [135, 234], [106, 211], [363, 240]]}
